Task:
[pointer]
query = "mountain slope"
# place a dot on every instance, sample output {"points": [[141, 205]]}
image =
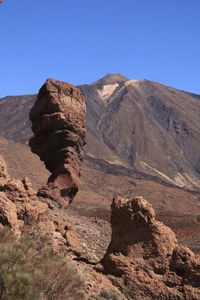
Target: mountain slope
{"points": [[150, 128], [137, 128], [14, 120]]}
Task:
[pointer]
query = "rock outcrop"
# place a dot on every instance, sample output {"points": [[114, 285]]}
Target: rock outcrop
{"points": [[3, 171], [15, 198], [144, 255], [58, 123], [22, 211]]}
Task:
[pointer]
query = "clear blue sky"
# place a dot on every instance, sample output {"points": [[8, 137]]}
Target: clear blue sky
{"points": [[80, 41]]}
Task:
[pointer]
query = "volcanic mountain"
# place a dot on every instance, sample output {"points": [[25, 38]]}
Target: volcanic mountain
{"points": [[151, 129], [142, 137]]}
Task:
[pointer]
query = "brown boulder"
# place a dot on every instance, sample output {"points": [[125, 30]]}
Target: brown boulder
{"points": [[3, 171], [23, 211], [70, 236], [58, 118], [144, 255], [8, 213]]}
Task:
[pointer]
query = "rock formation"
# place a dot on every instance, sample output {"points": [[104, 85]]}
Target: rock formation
{"points": [[58, 123], [145, 257], [3, 171], [22, 211]]}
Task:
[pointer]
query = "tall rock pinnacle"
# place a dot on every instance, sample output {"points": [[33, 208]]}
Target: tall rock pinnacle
{"points": [[58, 124]]}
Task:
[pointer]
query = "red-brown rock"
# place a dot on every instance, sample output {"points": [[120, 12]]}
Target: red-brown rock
{"points": [[58, 118], [22, 211], [144, 255], [3, 171]]}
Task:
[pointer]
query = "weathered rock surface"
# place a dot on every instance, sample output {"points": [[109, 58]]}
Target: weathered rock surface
{"points": [[58, 118], [144, 255], [23, 211], [3, 171]]}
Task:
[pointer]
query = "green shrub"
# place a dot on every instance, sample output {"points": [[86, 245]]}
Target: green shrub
{"points": [[31, 271]]}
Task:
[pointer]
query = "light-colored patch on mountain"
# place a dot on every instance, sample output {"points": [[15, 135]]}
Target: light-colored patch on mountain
{"points": [[116, 162], [113, 161], [132, 82], [145, 165], [107, 90], [181, 180], [185, 180]]}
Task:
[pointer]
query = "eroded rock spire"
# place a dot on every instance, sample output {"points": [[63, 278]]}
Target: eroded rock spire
{"points": [[58, 124]]}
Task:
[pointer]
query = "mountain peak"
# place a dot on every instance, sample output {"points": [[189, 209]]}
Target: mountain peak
{"points": [[110, 79]]}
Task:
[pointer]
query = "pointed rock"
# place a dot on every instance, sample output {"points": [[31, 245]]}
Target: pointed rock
{"points": [[58, 118]]}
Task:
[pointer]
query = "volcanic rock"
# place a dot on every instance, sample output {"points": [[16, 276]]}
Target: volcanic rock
{"points": [[8, 213], [58, 123], [18, 202], [22, 211], [145, 257], [3, 171]]}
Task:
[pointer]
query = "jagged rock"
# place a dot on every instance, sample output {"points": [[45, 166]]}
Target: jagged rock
{"points": [[145, 257], [3, 171], [28, 186], [70, 235], [23, 211], [8, 213], [19, 205], [58, 118]]}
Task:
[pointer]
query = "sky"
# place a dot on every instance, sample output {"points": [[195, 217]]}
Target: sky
{"points": [[80, 41]]}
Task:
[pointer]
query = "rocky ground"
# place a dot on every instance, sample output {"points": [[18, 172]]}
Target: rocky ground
{"points": [[94, 233]]}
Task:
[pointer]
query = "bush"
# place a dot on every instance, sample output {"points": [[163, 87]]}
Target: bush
{"points": [[32, 271], [107, 295]]}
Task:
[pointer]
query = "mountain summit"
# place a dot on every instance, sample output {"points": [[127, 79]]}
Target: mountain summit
{"points": [[151, 129], [110, 79]]}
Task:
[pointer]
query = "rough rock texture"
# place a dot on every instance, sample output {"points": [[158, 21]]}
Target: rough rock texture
{"points": [[23, 211], [144, 255], [58, 118], [3, 171]]}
